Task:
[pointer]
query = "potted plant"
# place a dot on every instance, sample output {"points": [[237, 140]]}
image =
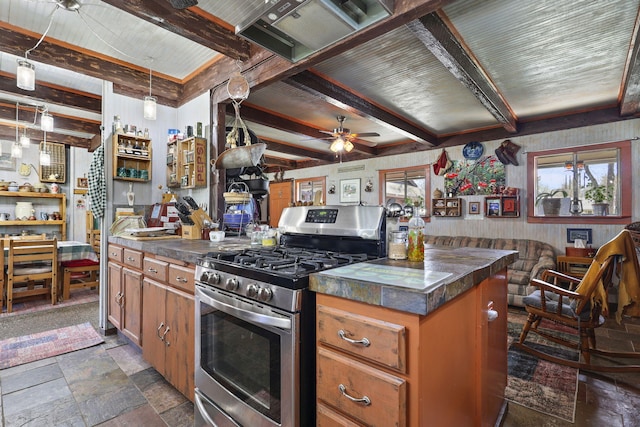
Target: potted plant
{"points": [[550, 203], [600, 196]]}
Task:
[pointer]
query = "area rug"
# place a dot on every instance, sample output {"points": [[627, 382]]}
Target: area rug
{"points": [[537, 384], [29, 348], [80, 296]]}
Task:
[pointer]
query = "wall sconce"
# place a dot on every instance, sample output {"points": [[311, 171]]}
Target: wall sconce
{"points": [[150, 103], [368, 187]]}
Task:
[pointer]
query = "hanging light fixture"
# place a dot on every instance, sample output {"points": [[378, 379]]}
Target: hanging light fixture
{"points": [[26, 71], [46, 121], [45, 157], [16, 148], [341, 144], [150, 106], [24, 139], [237, 86]]}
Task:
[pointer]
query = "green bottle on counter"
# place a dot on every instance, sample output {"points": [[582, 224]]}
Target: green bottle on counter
{"points": [[415, 249]]}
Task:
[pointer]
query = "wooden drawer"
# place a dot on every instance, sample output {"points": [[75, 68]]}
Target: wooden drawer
{"points": [[155, 269], [115, 253], [386, 340], [387, 393], [132, 258], [327, 417], [182, 278]]}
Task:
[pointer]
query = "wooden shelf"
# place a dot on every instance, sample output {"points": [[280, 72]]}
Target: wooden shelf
{"points": [[446, 207], [502, 206], [124, 162], [48, 200]]}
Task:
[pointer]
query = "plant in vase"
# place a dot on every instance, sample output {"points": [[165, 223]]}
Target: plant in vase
{"points": [[600, 196], [551, 204]]}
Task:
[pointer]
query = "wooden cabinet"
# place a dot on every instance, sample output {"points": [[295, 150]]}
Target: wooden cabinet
{"points": [[125, 292], [168, 322], [187, 163], [131, 158], [452, 370], [445, 206], [502, 206], [42, 203], [280, 196]]}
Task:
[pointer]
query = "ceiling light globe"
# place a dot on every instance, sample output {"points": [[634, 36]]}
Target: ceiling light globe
{"points": [[238, 87], [150, 107], [26, 75], [46, 122]]}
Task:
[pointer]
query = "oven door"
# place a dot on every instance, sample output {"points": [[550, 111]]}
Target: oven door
{"points": [[246, 360]]}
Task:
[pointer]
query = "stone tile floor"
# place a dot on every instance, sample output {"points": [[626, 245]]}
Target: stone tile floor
{"points": [[105, 385]]}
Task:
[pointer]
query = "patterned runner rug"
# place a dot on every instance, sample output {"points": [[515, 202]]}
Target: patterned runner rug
{"points": [[536, 384], [29, 348]]}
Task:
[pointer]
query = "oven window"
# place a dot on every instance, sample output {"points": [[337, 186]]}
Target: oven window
{"points": [[244, 358]]}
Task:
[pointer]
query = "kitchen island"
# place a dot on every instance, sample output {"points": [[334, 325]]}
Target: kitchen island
{"points": [[413, 344]]}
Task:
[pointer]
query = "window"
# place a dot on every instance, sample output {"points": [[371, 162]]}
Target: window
{"points": [[407, 187], [580, 184]]}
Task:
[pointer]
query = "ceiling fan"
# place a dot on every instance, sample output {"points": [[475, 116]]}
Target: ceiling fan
{"points": [[343, 138]]}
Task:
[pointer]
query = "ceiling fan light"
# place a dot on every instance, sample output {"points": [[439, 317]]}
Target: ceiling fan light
{"points": [[26, 75], [46, 122], [348, 146], [16, 151], [150, 107], [337, 145]]}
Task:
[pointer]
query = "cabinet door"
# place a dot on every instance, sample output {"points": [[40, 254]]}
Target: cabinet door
{"points": [[131, 316], [153, 323], [180, 341], [114, 289], [493, 354], [279, 198]]}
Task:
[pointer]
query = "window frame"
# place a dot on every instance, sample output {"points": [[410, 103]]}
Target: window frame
{"points": [[313, 182], [625, 176], [382, 179]]}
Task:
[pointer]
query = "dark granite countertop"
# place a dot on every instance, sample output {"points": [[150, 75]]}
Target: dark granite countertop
{"points": [[182, 249], [445, 274]]}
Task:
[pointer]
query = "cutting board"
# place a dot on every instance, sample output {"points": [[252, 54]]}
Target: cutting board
{"points": [[171, 236]]}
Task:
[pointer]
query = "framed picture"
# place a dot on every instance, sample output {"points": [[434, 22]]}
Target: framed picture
{"points": [[7, 162], [474, 208], [583, 234], [510, 206], [82, 183], [492, 207], [350, 190]]}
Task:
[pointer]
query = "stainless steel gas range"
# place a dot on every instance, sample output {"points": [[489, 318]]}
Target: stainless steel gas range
{"points": [[255, 317]]}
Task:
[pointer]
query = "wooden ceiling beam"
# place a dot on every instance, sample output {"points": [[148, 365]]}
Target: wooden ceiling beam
{"points": [[51, 52], [186, 23], [630, 99], [51, 94], [274, 68], [336, 95], [275, 121], [443, 44], [8, 112], [8, 133]]}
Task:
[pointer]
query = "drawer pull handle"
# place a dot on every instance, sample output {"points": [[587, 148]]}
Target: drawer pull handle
{"points": [[181, 279], [152, 270], [130, 258], [364, 341], [364, 400], [158, 331]]}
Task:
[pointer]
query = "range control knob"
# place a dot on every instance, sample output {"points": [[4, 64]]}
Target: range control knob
{"points": [[231, 284], [265, 294], [252, 290], [204, 277], [214, 278]]}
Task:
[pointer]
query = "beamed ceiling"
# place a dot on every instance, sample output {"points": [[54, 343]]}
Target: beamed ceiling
{"points": [[433, 74]]}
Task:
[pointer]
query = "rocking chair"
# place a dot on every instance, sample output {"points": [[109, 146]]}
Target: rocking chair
{"points": [[583, 309]]}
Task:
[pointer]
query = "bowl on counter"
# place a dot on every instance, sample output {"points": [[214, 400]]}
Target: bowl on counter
{"points": [[216, 236]]}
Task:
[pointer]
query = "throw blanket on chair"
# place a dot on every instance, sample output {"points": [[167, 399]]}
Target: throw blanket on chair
{"points": [[629, 280]]}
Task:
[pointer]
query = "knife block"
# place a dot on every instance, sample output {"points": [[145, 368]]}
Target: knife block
{"points": [[191, 232]]}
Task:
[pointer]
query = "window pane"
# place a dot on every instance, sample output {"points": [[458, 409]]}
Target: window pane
{"points": [[406, 187]]}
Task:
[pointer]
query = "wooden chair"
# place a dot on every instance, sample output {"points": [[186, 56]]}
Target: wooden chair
{"points": [[574, 266], [581, 310], [79, 274], [2, 275], [32, 269]]}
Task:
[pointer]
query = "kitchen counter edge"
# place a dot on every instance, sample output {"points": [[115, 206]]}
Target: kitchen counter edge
{"points": [[469, 267]]}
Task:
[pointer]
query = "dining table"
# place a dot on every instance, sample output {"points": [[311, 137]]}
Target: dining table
{"points": [[70, 250]]}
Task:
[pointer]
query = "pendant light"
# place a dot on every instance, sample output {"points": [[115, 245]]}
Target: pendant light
{"points": [[24, 139], [45, 157], [26, 75], [237, 86], [16, 148], [150, 105], [46, 121]]}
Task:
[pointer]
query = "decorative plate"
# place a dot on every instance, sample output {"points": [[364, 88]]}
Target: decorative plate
{"points": [[473, 150]]}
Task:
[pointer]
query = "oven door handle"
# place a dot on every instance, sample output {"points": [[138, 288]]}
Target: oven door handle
{"points": [[262, 319]]}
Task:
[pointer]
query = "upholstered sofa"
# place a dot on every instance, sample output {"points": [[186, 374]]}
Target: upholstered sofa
{"points": [[533, 258]]}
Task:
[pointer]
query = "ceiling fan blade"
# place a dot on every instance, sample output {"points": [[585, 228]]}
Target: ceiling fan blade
{"points": [[364, 134], [328, 133]]}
